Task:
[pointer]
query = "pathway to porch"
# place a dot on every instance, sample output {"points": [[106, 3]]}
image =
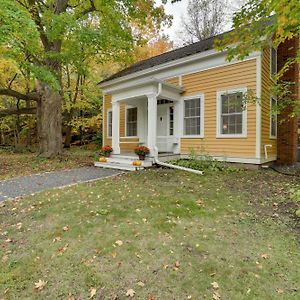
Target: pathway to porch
{"points": [[26, 185]]}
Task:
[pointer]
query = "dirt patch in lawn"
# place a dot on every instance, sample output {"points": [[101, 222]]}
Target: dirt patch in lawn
{"points": [[272, 195]]}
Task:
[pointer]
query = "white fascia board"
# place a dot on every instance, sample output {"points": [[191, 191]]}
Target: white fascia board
{"points": [[197, 62], [188, 65], [159, 67]]}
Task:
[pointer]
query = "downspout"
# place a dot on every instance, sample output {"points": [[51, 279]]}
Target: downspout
{"points": [[163, 164], [266, 150]]}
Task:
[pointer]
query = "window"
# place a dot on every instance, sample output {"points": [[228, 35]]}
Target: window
{"points": [[109, 123], [273, 118], [171, 125], [273, 62], [231, 114], [192, 116], [131, 121]]}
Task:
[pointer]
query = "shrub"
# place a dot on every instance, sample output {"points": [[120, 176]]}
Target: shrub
{"points": [[204, 163]]}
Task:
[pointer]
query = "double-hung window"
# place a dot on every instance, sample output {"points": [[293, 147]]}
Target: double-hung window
{"points": [[109, 123], [232, 114], [193, 116], [273, 62], [273, 118], [131, 121]]}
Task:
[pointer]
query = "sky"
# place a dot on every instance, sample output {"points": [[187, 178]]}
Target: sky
{"points": [[178, 9]]}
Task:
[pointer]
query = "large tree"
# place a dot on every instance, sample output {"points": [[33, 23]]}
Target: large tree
{"points": [[204, 18], [43, 36]]}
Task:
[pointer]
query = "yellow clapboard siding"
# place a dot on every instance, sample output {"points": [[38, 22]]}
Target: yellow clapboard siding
{"points": [[209, 82], [173, 80], [265, 103]]}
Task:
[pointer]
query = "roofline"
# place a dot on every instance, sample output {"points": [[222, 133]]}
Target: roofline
{"points": [[170, 64], [147, 81]]}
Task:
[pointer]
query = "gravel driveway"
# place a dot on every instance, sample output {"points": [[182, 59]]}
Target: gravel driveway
{"points": [[26, 185]]}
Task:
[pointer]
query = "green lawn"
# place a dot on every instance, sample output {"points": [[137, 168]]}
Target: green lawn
{"points": [[164, 234], [14, 164]]}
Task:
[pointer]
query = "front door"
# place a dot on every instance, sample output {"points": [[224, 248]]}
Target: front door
{"points": [[164, 127]]}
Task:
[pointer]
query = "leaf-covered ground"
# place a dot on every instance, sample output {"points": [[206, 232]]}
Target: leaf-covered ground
{"points": [[156, 234], [19, 164]]}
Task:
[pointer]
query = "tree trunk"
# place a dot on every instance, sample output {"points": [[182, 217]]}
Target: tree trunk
{"points": [[68, 138], [49, 121]]}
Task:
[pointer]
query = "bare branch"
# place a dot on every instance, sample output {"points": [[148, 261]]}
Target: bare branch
{"points": [[34, 96], [21, 111]]}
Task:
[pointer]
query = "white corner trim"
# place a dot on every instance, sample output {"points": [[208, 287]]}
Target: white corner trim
{"points": [[202, 114], [258, 128], [218, 116]]}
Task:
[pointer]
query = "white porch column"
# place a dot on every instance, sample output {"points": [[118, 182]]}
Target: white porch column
{"points": [[116, 127], [152, 130]]}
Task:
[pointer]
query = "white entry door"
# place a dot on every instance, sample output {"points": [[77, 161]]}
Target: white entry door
{"points": [[164, 140]]}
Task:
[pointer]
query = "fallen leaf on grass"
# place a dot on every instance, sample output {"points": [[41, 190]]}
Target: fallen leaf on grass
{"points": [[40, 285], [130, 293], [141, 284], [66, 228], [62, 250], [57, 239], [119, 243], [216, 296], [93, 292], [71, 297], [264, 256], [215, 285], [150, 297]]}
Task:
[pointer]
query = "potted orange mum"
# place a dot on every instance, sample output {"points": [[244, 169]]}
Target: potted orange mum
{"points": [[106, 150], [141, 151]]}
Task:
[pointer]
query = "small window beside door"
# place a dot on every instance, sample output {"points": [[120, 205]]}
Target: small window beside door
{"points": [[109, 123], [131, 121], [171, 125]]}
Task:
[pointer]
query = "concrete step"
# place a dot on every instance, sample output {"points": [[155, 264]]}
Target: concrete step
{"points": [[118, 166], [129, 160]]}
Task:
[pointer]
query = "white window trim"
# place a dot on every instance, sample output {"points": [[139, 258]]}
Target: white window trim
{"points": [[272, 137], [137, 119], [271, 75], [107, 127], [219, 134], [201, 135]]}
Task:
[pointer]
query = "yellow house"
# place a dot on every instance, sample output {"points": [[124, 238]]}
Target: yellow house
{"points": [[192, 99]]}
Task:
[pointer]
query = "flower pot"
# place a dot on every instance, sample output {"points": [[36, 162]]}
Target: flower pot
{"points": [[107, 154], [142, 157]]}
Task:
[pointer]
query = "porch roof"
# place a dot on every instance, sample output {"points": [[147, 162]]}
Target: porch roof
{"points": [[136, 89]]}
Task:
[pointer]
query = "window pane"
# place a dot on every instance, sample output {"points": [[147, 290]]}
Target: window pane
{"points": [[232, 113], [273, 117], [192, 113], [109, 123], [273, 61]]}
